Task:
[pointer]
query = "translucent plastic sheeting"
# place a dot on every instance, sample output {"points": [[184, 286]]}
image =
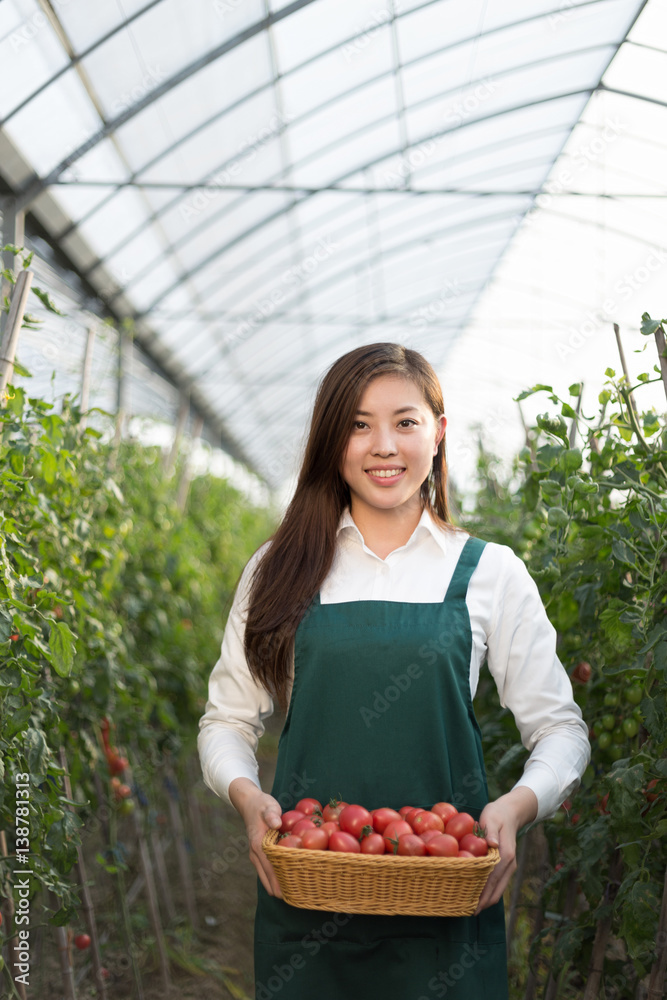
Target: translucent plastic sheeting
{"points": [[262, 185]]}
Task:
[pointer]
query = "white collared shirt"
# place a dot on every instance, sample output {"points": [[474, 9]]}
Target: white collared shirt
{"points": [[510, 631]]}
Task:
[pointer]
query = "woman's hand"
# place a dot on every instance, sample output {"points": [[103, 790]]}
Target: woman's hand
{"points": [[260, 812], [502, 820]]}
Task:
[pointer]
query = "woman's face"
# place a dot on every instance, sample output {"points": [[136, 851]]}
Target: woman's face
{"points": [[391, 446]]}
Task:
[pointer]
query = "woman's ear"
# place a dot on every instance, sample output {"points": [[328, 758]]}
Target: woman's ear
{"points": [[441, 424]]}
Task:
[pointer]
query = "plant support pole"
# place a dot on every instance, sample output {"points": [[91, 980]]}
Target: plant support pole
{"points": [[85, 376], [660, 344], [11, 334], [87, 902]]}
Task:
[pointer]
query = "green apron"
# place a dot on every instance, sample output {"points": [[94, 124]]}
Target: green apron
{"points": [[381, 715]]}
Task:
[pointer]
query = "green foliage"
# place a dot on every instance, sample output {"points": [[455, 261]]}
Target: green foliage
{"points": [[591, 525], [112, 604]]}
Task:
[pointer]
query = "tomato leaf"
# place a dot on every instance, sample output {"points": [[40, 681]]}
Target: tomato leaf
{"points": [[62, 647]]}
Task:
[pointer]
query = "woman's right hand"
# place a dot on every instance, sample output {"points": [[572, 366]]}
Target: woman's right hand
{"points": [[260, 812]]}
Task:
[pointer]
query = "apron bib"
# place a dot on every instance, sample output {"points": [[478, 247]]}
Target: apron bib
{"points": [[381, 715]]}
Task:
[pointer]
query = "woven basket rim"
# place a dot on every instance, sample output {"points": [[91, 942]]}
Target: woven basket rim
{"points": [[270, 844]]}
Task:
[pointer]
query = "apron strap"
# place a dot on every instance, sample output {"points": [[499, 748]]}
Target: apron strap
{"points": [[468, 560]]}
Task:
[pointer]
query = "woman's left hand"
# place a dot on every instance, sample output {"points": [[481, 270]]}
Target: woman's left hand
{"points": [[502, 820]]}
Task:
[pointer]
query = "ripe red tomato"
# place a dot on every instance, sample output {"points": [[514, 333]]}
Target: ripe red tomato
{"points": [[582, 672], [330, 826], [466, 854], [353, 819], [443, 846], [477, 846], [445, 810], [82, 941], [333, 809], [393, 831], [383, 816], [428, 835], [427, 821], [411, 845], [290, 817], [289, 840], [309, 806], [409, 816], [302, 825], [315, 839], [344, 842], [372, 843], [404, 810], [459, 825]]}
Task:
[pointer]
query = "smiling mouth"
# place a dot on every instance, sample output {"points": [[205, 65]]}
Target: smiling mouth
{"points": [[388, 474]]}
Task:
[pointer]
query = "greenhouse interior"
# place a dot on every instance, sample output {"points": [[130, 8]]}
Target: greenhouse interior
{"points": [[203, 207]]}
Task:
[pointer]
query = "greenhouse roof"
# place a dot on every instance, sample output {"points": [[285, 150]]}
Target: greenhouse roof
{"points": [[262, 186]]}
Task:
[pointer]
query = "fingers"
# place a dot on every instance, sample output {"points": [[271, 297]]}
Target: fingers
{"points": [[264, 869], [502, 838]]}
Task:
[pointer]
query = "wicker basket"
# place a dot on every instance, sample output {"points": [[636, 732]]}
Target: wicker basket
{"points": [[383, 884]]}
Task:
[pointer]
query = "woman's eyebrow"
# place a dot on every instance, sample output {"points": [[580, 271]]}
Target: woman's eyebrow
{"points": [[403, 409]]}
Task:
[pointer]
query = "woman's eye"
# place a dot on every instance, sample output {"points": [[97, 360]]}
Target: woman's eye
{"points": [[409, 421]]}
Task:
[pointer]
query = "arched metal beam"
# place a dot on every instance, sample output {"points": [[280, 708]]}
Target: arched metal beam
{"points": [[239, 39], [28, 195], [327, 282], [322, 151], [74, 60], [350, 173]]}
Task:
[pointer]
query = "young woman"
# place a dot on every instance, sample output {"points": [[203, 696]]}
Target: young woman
{"points": [[366, 588]]}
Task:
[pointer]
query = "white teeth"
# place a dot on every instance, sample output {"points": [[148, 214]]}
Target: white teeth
{"points": [[385, 473]]}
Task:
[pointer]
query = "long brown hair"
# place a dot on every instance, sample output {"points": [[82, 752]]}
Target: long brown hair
{"points": [[301, 552]]}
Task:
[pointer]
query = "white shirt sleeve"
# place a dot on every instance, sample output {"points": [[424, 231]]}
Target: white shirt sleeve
{"points": [[232, 723], [534, 685]]}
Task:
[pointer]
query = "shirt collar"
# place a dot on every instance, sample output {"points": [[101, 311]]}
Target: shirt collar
{"points": [[425, 525]]}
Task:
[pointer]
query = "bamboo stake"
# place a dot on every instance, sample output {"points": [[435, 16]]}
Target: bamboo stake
{"points": [[517, 883], [603, 929], [151, 895], [65, 953], [621, 352], [85, 376], [194, 814], [186, 474], [164, 883], [568, 910], [538, 921], [573, 429], [122, 404], [179, 838], [119, 883], [660, 344], [8, 913], [88, 909], [11, 335], [181, 420], [656, 985]]}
